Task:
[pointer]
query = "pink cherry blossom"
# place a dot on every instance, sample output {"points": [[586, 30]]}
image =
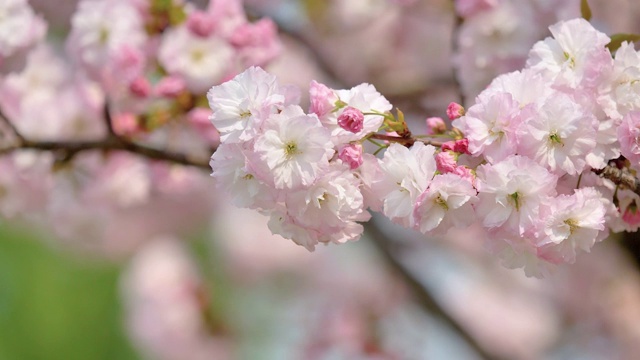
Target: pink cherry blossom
{"points": [[243, 103], [510, 193], [491, 127], [559, 136], [629, 136], [199, 61], [351, 155], [294, 147], [407, 174], [571, 223], [446, 203]]}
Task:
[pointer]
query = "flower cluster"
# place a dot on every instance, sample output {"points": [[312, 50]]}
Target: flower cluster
{"points": [[128, 71], [303, 169], [519, 161]]}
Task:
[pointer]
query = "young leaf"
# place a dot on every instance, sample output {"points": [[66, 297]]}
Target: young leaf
{"points": [[618, 39], [585, 10]]}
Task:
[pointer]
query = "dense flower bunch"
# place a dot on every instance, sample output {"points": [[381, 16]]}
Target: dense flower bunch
{"points": [[519, 161], [128, 71]]}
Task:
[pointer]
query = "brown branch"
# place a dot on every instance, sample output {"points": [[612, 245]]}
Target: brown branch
{"points": [[108, 120], [112, 142], [70, 148], [421, 292], [455, 48], [620, 177], [13, 128], [404, 140]]}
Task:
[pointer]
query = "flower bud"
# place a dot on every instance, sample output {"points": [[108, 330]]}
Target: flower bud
{"points": [[200, 24], [351, 154], [446, 162], [125, 124], [454, 111], [461, 146], [170, 86], [140, 87], [435, 125], [351, 119]]}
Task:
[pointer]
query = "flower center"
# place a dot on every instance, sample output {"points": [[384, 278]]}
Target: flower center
{"points": [[555, 139], [516, 200], [442, 202], [291, 149], [573, 225]]}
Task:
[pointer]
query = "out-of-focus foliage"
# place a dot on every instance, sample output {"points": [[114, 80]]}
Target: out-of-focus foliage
{"points": [[57, 306]]}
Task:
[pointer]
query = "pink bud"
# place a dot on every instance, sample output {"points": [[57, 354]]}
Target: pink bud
{"points": [[631, 214], [461, 146], [351, 154], [448, 146], [200, 23], [140, 87], [435, 125], [454, 111], [351, 119], [125, 124], [446, 162], [170, 86]]}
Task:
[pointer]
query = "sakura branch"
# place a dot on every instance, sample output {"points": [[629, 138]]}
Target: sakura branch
{"points": [[112, 142], [518, 161]]}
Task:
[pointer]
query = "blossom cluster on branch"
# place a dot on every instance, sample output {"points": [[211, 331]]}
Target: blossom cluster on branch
{"points": [[520, 161]]}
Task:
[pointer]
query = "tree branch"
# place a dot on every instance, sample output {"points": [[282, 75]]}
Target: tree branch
{"points": [[421, 293], [620, 177], [111, 142]]}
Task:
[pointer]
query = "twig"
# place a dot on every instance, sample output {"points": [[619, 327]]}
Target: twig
{"points": [[111, 142], [108, 120], [11, 126], [455, 48], [404, 140], [620, 177], [70, 148]]}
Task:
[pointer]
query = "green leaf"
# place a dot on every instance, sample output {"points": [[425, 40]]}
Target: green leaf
{"points": [[585, 10], [618, 39]]}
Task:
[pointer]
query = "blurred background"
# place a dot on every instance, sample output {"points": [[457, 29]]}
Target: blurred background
{"points": [[117, 257]]}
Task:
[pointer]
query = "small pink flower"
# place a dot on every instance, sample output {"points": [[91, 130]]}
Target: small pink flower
{"points": [[201, 24], [435, 125], [322, 99], [461, 146], [126, 124], [448, 146], [629, 136], [631, 214], [446, 162], [465, 173], [351, 154], [129, 61], [140, 87], [454, 111], [170, 86], [458, 146], [351, 119]]}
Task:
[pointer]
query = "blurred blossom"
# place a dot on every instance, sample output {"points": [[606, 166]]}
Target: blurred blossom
{"points": [[166, 305]]}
